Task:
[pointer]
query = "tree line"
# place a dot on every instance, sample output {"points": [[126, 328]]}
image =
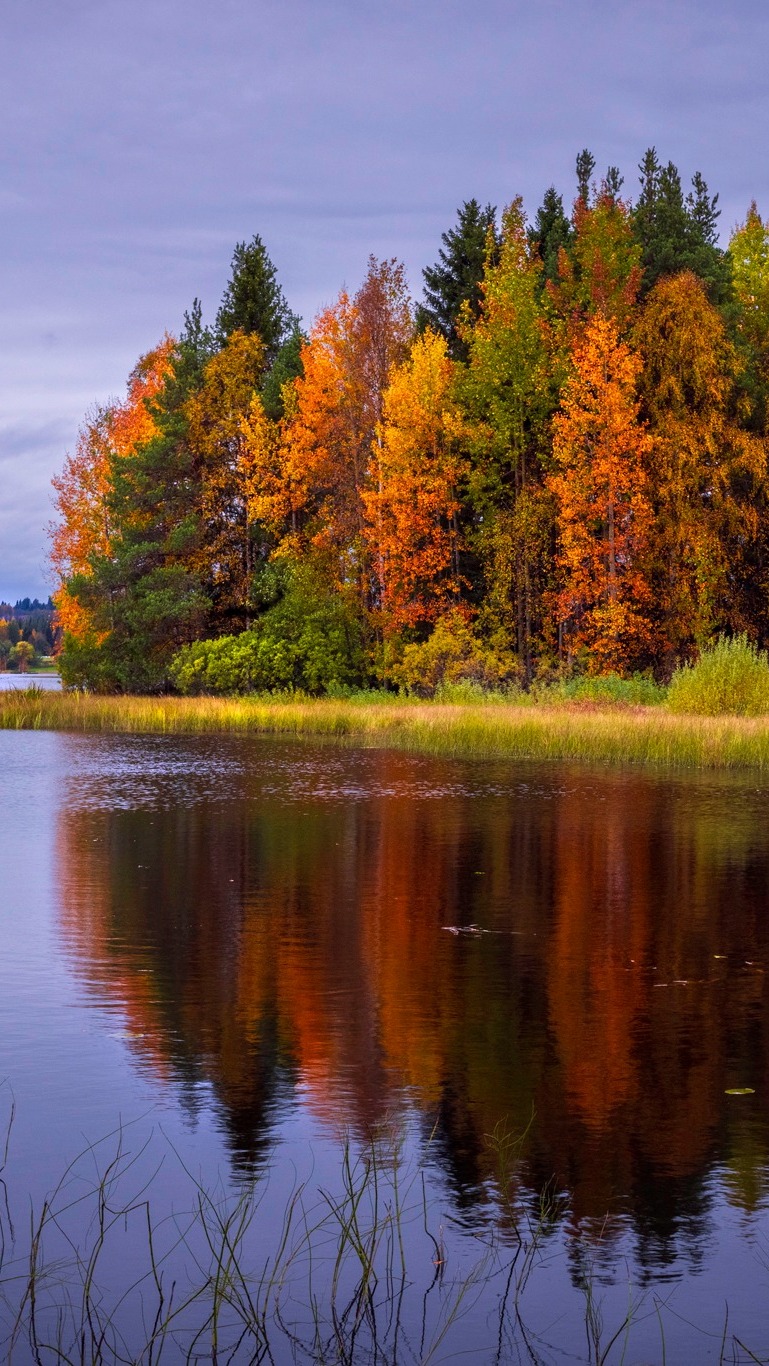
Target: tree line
{"points": [[28, 633], [556, 463]]}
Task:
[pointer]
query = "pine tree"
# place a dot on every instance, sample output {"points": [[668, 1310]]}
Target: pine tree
{"points": [[454, 282], [585, 168]]}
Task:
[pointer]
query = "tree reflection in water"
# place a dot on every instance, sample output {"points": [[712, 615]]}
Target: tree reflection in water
{"points": [[280, 932]]}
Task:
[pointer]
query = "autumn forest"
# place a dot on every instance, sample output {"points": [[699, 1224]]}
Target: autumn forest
{"points": [[555, 463]]}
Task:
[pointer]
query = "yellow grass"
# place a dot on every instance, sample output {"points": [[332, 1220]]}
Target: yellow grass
{"points": [[494, 730]]}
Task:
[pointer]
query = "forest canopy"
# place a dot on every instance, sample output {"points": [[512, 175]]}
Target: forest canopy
{"points": [[555, 463]]}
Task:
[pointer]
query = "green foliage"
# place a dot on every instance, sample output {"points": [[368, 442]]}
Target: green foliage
{"points": [[637, 691], [21, 656], [309, 642], [286, 366], [453, 655], [585, 169], [731, 677], [253, 300], [552, 233], [677, 233], [185, 535], [453, 284], [506, 391]]}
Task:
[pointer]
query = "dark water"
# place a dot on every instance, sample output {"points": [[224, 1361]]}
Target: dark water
{"points": [[248, 953]]}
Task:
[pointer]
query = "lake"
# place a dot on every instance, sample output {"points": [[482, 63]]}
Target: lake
{"points": [[50, 681], [495, 1033]]}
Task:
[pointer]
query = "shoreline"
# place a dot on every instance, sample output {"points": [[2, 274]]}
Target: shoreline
{"points": [[609, 733]]}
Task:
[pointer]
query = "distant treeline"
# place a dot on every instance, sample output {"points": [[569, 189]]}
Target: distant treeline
{"points": [[555, 463], [28, 631]]}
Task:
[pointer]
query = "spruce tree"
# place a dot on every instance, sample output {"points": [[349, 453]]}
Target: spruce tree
{"points": [[551, 231], [455, 279], [286, 366], [253, 300], [678, 233]]}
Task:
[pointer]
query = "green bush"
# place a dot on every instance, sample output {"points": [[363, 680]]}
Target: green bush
{"points": [[309, 642], [731, 676], [453, 656], [634, 692]]}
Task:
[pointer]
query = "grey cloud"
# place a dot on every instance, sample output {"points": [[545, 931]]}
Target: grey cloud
{"points": [[146, 138]]}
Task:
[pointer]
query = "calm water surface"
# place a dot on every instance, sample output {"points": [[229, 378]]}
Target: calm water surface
{"points": [[50, 682], [244, 953]]}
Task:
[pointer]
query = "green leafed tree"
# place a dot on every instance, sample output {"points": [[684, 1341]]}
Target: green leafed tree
{"points": [[749, 257], [453, 284], [507, 396]]}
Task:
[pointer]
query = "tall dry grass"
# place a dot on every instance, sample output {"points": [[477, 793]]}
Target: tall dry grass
{"points": [[610, 734]]}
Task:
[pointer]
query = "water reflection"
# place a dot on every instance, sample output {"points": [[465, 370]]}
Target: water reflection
{"points": [[280, 920]]}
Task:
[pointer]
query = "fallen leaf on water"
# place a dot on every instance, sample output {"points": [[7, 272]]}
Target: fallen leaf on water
{"points": [[740, 1091]]}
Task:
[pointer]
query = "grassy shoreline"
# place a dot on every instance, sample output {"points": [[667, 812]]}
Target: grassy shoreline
{"points": [[579, 731]]}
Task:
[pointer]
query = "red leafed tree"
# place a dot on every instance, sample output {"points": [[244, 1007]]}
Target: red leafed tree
{"points": [[604, 513]]}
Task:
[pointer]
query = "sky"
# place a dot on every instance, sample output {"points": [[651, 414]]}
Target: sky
{"points": [[144, 138]]}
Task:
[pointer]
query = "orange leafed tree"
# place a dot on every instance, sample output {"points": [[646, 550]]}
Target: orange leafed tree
{"points": [[216, 413], [604, 513], [411, 505], [323, 465], [603, 272], [82, 529]]}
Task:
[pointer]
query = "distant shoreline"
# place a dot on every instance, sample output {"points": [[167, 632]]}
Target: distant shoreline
{"points": [[494, 730]]}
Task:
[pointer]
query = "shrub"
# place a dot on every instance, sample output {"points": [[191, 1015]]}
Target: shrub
{"points": [[452, 655], [309, 641], [731, 676], [635, 691]]}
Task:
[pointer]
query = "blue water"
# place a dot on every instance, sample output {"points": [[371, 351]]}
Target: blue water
{"points": [[223, 959]]}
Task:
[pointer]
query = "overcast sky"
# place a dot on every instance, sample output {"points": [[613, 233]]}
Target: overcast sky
{"points": [[143, 138]]}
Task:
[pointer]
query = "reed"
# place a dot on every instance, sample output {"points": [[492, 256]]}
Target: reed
{"points": [[499, 729], [355, 1275]]}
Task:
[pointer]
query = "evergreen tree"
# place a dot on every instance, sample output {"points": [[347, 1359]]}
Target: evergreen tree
{"points": [[454, 282], [253, 300], [551, 232], [287, 366], [150, 598], [678, 233], [197, 345], [613, 183], [585, 168]]}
